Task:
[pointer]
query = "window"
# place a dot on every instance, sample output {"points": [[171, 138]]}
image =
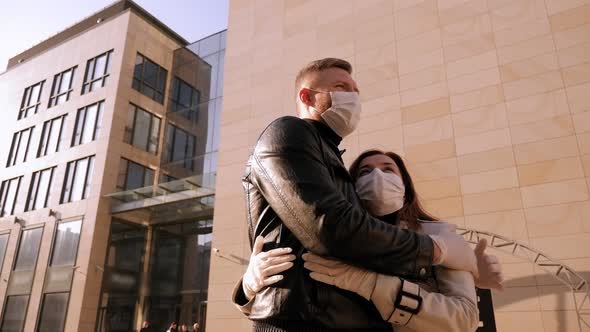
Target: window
{"points": [[26, 260], [28, 249], [88, 123], [180, 146], [57, 289], [8, 193], [15, 310], [53, 312], [142, 130], [39, 189], [65, 247], [31, 100], [19, 147], [97, 72], [185, 99], [51, 136], [149, 78], [62, 87], [133, 175], [3, 244], [77, 180]]}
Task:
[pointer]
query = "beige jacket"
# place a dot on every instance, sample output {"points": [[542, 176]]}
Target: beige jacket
{"points": [[454, 308]]}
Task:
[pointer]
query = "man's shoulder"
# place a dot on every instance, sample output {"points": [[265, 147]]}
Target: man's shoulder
{"points": [[288, 123], [288, 128]]}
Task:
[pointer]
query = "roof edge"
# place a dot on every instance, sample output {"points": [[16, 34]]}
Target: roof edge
{"points": [[89, 22]]}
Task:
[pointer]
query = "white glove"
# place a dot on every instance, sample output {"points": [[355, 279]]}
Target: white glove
{"points": [[264, 267], [455, 252], [341, 275], [490, 270]]}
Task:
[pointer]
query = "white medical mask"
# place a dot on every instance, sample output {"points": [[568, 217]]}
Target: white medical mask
{"points": [[381, 193], [345, 113]]}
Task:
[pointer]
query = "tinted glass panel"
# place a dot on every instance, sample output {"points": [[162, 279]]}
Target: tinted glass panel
{"points": [[53, 312], [26, 258], [14, 313], [66, 243]]}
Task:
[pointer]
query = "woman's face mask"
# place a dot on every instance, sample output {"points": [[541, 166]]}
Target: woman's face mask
{"points": [[381, 193]]}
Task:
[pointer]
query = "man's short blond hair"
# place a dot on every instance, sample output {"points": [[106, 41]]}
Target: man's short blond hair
{"points": [[320, 65]]}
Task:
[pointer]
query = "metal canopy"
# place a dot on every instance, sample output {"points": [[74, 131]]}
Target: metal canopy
{"points": [[191, 197]]}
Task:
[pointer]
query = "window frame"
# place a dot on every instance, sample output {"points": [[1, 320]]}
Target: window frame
{"points": [[140, 81], [44, 293], [47, 129], [174, 100], [90, 80], [33, 271], [35, 182], [87, 179], [4, 195], [26, 100], [130, 132], [97, 126], [128, 161], [56, 86], [16, 147], [188, 163]]}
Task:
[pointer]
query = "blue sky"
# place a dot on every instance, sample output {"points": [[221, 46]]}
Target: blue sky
{"points": [[32, 21]]}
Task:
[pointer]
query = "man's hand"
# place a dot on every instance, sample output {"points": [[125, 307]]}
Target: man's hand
{"points": [[264, 267], [490, 270]]}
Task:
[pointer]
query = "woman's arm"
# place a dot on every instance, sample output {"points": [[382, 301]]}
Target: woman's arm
{"points": [[402, 303], [453, 309]]}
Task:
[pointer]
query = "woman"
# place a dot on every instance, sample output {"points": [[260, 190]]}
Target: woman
{"points": [[445, 303]]}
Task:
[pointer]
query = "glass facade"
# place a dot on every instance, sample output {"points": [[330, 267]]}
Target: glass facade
{"points": [[159, 270], [122, 277]]}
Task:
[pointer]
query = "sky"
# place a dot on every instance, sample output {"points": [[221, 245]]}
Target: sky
{"points": [[25, 23]]}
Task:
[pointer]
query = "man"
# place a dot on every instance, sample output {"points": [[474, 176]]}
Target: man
{"points": [[299, 195]]}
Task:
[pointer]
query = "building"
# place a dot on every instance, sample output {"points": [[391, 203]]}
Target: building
{"points": [[109, 148], [487, 101]]}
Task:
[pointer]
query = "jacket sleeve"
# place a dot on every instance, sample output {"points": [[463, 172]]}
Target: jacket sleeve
{"points": [[240, 300], [289, 169], [454, 309]]}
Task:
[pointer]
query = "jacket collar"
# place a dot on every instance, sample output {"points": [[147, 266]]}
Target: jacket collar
{"points": [[326, 132]]}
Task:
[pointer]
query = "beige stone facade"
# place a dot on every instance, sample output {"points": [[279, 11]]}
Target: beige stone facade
{"points": [[487, 100], [126, 33]]}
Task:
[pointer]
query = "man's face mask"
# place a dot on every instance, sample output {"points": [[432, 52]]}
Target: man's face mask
{"points": [[344, 114], [381, 193]]}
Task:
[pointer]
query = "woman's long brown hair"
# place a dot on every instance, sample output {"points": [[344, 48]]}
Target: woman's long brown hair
{"points": [[412, 211]]}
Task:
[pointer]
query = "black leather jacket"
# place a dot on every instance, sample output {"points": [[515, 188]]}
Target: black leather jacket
{"points": [[299, 194]]}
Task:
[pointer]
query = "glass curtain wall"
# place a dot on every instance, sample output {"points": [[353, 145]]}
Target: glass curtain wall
{"points": [[179, 274], [122, 276], [194, 108]]}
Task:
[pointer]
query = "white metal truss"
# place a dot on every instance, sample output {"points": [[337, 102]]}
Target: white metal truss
{"points": [[566, 275]]}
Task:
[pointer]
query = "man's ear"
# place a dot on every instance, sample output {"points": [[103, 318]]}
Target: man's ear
{"points": [[304, 96]]}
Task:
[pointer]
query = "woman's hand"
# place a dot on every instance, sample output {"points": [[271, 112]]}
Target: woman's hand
{"points": [[264, 267], [341, 275], [490, 270]]}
